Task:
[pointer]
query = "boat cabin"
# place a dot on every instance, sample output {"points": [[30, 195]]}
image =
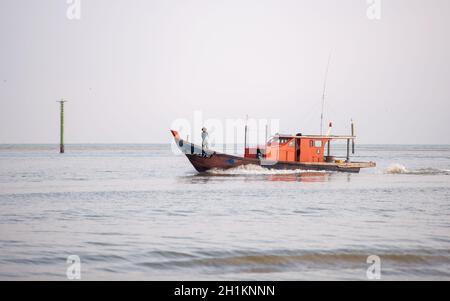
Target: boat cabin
{"points": [[297, 148]]}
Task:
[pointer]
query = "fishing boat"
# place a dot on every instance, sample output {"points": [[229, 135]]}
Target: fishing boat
{"points": [[287, 152]]}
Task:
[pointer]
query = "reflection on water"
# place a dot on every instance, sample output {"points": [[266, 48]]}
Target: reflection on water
{"points": [[301, 177], [306, 176], [204, 178]]}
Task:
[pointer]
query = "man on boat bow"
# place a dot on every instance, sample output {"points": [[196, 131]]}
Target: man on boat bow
{"points": [[204, 141]]}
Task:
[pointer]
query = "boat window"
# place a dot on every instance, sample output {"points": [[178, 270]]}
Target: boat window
{"points": [[318, 143], [272, 140]]}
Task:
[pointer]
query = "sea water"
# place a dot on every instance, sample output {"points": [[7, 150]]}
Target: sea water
{"points": [[141, 212]]}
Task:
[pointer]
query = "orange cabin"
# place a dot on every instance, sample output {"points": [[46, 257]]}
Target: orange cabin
{"points": [[291, 149]]}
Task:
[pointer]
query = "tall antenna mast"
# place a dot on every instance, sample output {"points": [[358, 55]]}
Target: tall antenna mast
{"points": [[324, 92]]}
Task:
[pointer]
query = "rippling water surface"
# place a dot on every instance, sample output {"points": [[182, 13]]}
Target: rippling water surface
{"points": [[141, 212]]}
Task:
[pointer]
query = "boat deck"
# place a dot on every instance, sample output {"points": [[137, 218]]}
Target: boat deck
{"points": [[343, 165]]}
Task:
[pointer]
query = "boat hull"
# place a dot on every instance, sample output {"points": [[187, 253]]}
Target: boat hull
{"points": [[224, 161], [206, 160]]}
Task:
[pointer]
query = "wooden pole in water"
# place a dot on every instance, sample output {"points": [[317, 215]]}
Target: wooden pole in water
{"points": [[61, 126]]}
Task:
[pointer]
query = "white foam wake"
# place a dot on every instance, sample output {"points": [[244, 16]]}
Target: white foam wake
{"points": [[400, 169], [396, 169], [252, 169]]}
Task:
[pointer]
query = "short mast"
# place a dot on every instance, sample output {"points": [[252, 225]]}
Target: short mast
{"points": [[352, 126], [245, 134], [353, 135], [267, 133]]}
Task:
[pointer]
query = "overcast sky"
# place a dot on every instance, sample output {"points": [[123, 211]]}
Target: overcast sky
{"points": [[130, 68]]}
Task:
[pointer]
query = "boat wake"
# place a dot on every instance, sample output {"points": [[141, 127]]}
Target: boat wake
{"points": [[279, 261], [252, 169], [400, 169]]}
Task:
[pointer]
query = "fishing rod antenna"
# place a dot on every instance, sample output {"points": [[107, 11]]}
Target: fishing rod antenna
{"points": [[324, 92]]}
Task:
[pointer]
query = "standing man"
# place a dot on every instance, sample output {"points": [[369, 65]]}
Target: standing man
{"points": [[204, 141]]}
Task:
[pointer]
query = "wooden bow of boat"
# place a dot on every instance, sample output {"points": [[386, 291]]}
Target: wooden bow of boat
{"points": [[204, 160]]}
